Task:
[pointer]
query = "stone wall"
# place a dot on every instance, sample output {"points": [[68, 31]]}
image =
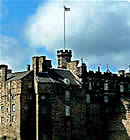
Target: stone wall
{"points": [[10, 116], [118, 122], [28, 109]]}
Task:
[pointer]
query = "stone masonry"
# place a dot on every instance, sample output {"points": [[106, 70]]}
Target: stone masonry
{"points": [[64, 103]]}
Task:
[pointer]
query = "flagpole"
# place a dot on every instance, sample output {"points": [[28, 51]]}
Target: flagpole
{"points": [[64, 30]]}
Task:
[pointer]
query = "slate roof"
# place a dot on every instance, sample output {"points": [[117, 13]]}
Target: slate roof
{"points": [[52, 76], [57, 76], [17, 75]]}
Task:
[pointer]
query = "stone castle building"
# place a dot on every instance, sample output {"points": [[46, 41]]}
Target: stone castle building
{"points": [[64, 103]]}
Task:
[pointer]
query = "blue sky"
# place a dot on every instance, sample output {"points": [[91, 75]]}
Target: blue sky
{"points": [[97, 31]]}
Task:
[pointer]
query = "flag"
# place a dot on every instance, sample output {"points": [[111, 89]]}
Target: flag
{"points": [[66, 9]]}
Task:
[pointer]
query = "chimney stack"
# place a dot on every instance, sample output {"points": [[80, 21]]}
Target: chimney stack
{"points": [[3, 72], [40, 64], [28, 68], [98, 68], [121, 72], [9, 71], [35, 64]]}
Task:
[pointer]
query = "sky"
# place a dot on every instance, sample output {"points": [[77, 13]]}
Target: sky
{"points": [[96, 30]]}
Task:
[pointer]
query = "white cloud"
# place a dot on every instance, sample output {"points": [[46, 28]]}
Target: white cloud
{"points": [[12, 54], [98, 30]]}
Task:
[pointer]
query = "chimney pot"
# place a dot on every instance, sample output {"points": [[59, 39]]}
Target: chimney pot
{"points": [[121, 72], [28, 68], [98, 68]]}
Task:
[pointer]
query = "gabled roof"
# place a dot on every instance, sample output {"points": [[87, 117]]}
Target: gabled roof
{"points": [[17, 75], [57, 76]]}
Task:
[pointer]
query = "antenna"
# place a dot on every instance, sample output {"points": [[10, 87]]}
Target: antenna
{"points": [[82, 60]]}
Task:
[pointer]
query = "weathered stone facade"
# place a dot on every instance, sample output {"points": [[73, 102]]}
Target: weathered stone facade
{"points": [[15, 92], [63, 103]]}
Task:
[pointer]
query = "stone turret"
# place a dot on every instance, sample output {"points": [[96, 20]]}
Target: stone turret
{"points": [[64, 57], [35, 64]]}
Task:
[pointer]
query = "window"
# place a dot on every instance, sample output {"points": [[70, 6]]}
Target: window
{"points": [[13, 107], [98, 84], [43, 97], [43, 109], [121, 99], [13, 118], [106, 99], [2, 119], [8, 97], [13, 97], [128, 108], [0, 97], [30, 84], [29, 96], [121, 88], [8, 85], [67, 95], [128, 87], [105, 86], [115, 85], [26, 107], [67, 110], [87, 98], [90, 85], [2, 108]]}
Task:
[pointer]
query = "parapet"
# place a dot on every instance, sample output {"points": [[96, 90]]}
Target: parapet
{"points": [[3, 66], [64, 52]]}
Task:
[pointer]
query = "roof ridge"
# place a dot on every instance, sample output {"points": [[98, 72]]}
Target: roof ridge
{"points": [[60, 69], [18, 72]]}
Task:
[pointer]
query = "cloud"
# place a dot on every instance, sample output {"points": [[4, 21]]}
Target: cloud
{"points": [[98, 30], [12, 54]]}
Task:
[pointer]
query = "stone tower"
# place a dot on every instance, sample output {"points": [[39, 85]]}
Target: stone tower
{"points": [[64, 56]]}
